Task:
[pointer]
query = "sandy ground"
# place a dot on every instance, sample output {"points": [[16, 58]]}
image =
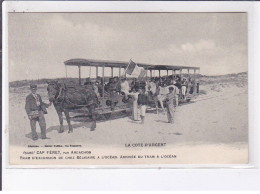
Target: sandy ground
{"points": [[211, 129]]}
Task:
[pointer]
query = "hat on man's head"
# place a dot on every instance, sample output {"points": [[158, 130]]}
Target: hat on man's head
{"points": [[33, 86]]}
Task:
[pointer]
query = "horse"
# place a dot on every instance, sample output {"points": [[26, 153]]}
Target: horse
{"points": [[66, 98]]}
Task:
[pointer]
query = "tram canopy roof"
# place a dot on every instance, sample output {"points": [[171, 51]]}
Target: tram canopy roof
{"points": [[117, 64]]}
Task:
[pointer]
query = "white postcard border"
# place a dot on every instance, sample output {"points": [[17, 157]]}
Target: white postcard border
{"points": [[252, 8]]}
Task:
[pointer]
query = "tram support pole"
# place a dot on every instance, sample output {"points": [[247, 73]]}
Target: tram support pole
{"points": [[103, 84], [112, 73], [96, 72], [79, 75]]}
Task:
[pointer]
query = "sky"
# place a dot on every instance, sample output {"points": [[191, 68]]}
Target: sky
{"points": [[39, 43]]}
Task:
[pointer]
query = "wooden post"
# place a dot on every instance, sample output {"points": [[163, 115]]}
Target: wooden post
{"points": [[119, 72], [66, 71], [112, 73], [172, 72], [79, 76], [159, 73], [151, 73], [103, 84], [167, 72], [96, 71]]}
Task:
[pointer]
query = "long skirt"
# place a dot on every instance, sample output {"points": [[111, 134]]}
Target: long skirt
{"points": [[136, 111]]}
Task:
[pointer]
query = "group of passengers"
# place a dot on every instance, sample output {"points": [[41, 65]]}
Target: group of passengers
{"points": [[143, 91], [179, 84], [122, 86]]}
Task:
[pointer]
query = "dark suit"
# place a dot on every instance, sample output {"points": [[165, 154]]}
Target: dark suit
{"points": [[31, 105]]}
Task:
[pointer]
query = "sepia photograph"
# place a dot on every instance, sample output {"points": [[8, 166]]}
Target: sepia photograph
{"points": [[127, 88]]}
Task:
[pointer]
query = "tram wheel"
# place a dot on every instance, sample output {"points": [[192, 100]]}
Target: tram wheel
{"points": [[107, 116]]}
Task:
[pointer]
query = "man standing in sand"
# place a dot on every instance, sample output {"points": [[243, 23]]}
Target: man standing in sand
{"points": [[170, 101], [35, 109]]}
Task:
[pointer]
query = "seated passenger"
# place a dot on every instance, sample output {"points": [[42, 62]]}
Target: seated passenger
{"points": [[117, 84], [113, 85], [108, 85], [133, 85]]}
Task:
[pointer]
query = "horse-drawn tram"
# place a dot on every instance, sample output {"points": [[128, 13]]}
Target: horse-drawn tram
{"points": [[114, 92]]}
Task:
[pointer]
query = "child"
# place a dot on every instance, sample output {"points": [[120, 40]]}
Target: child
{"points": [[142, 102]]}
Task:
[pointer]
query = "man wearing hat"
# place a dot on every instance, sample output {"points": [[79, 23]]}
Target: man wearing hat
{"points": [[35, 109]]}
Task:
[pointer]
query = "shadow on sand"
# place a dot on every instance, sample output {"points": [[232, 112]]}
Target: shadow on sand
{"points": [[85, 121]]}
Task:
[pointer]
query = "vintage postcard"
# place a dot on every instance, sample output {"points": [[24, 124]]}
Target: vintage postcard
{"points": [[127, 88]]}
